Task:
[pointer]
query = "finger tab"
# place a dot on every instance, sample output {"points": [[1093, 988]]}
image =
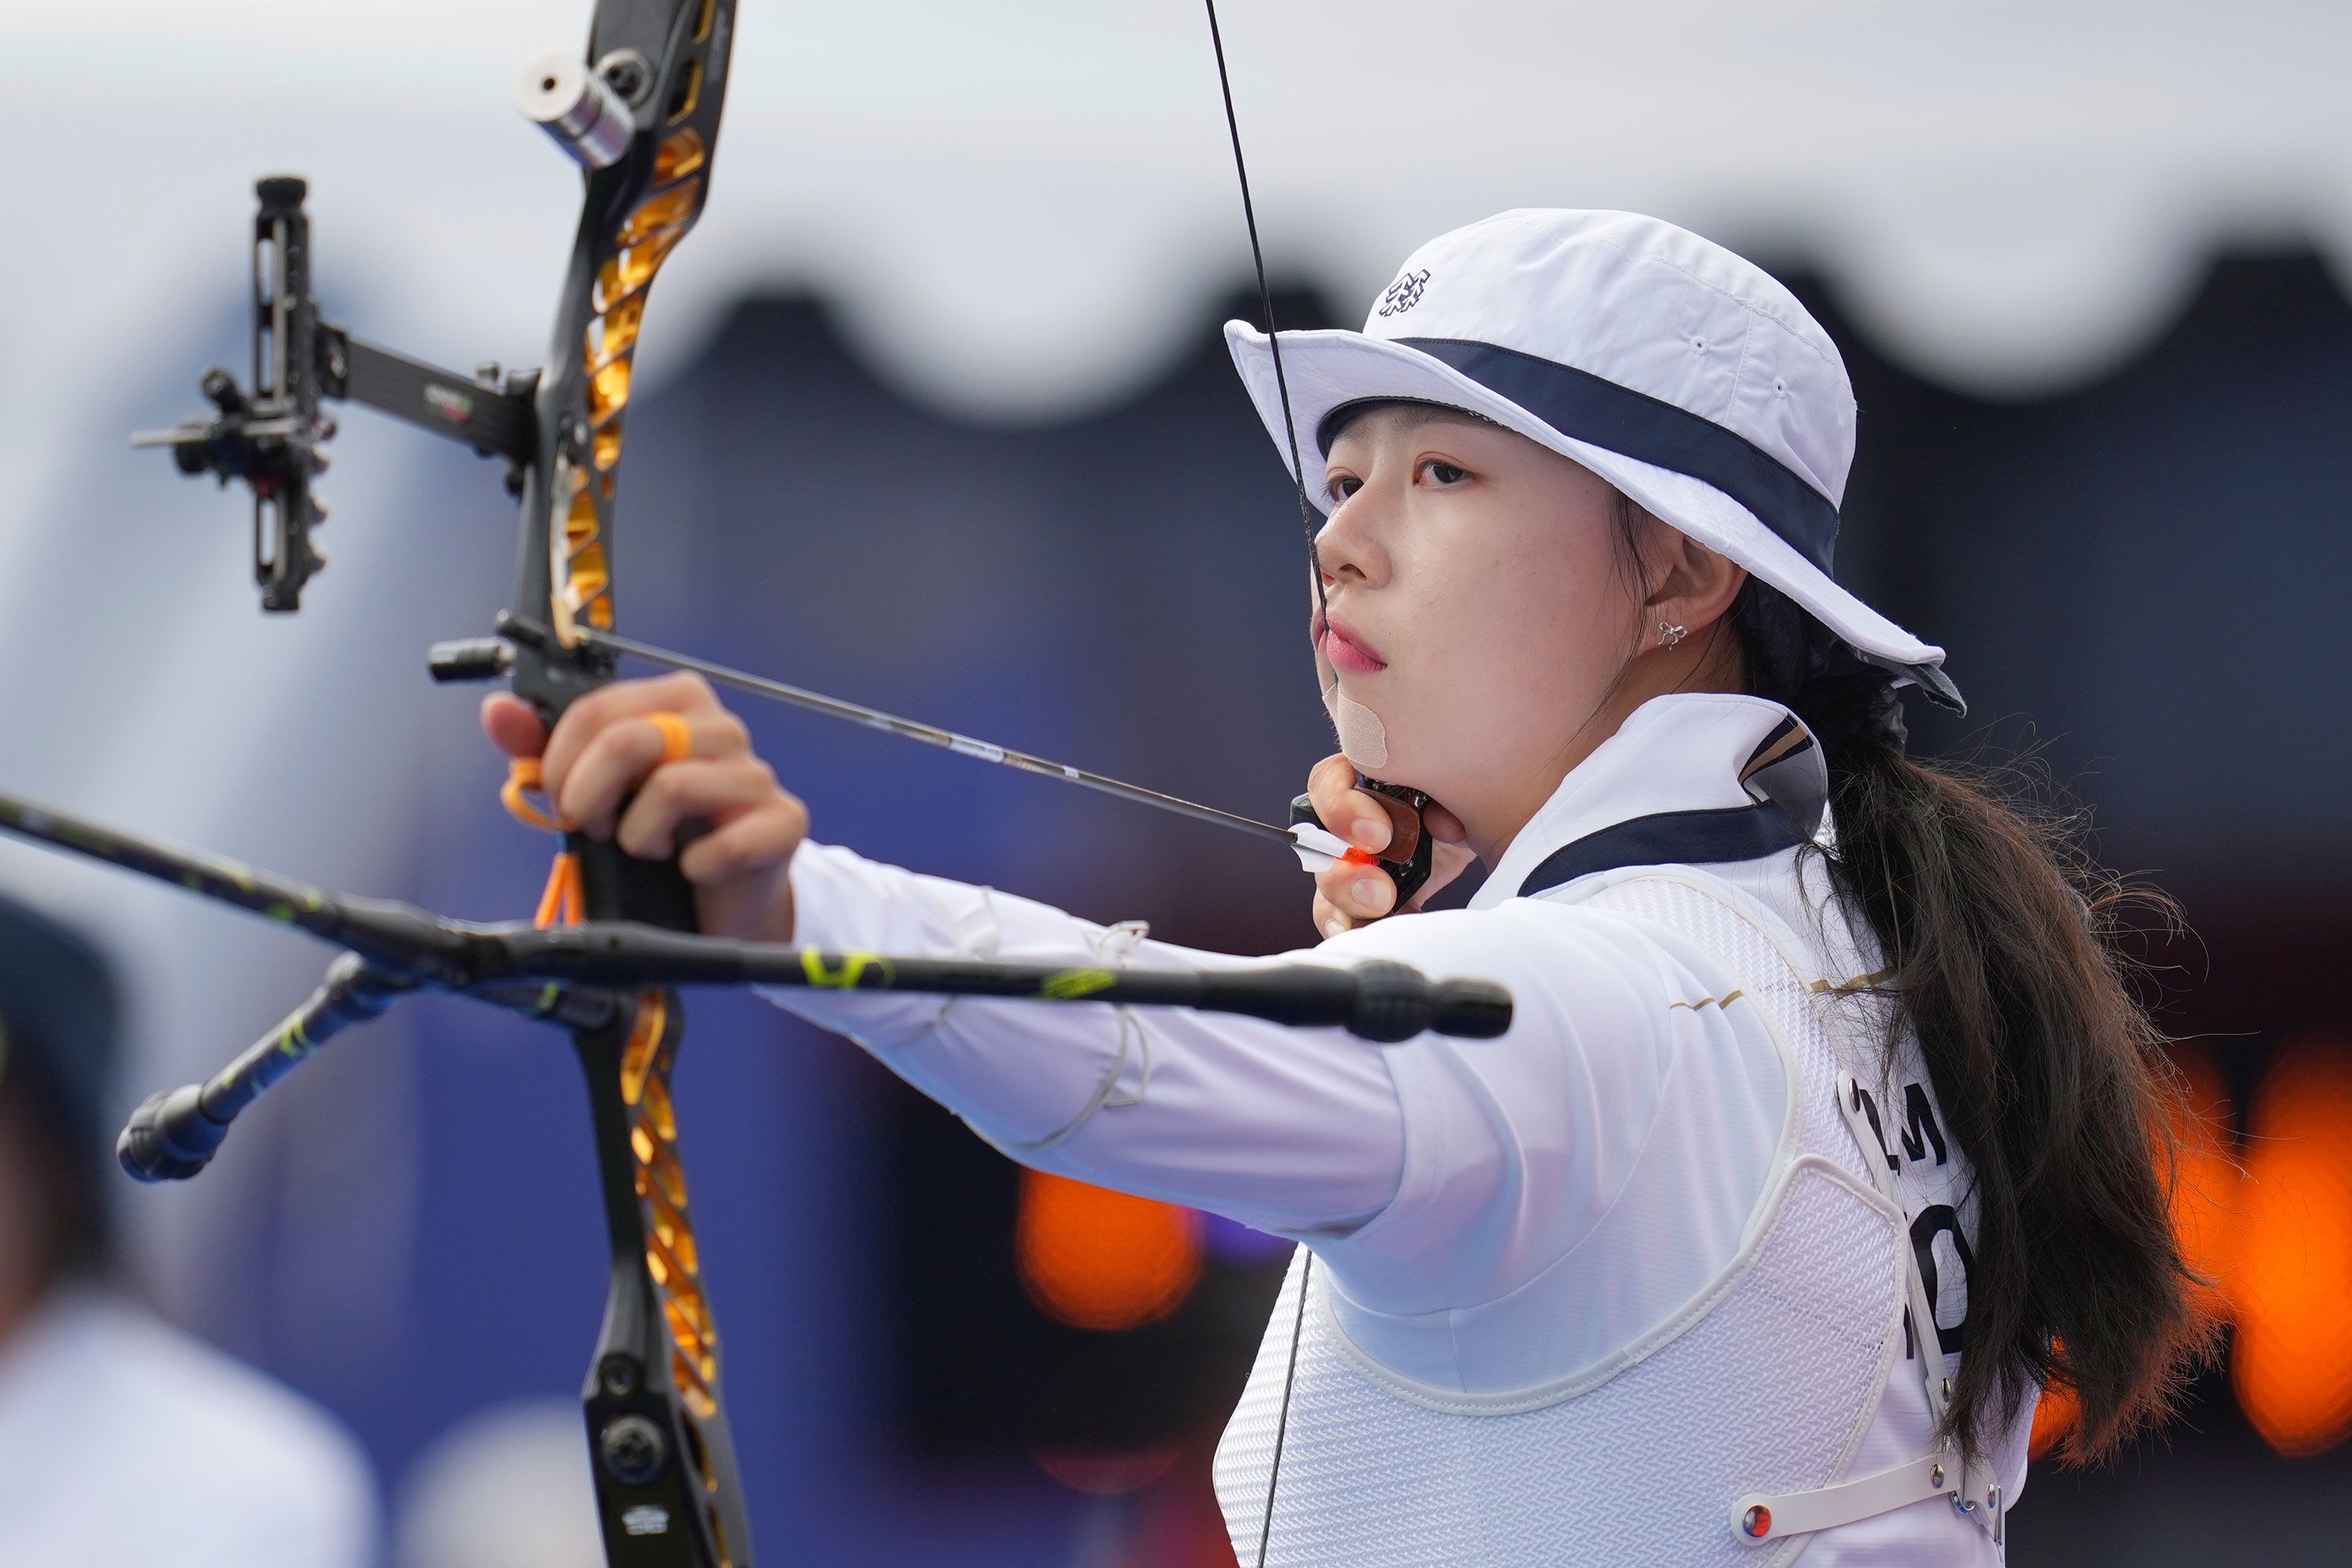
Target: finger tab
{"points": [[1404, 828]]}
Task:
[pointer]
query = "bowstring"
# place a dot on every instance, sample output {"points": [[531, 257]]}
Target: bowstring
{"points": [[1282, 1420], [1308, 522], [1307, 516]]}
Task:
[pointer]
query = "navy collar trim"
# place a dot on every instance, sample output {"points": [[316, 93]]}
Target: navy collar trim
{"points": [[1782, 776], [1669, 838]]}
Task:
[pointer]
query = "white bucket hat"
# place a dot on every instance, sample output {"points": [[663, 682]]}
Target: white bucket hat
{"points": [[1681, 374]]}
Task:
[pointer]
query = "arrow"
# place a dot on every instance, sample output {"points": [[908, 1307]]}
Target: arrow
{"points": [[481, 658]]}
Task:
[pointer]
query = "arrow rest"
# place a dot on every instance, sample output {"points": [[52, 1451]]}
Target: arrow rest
{"points": [[274, 437]]}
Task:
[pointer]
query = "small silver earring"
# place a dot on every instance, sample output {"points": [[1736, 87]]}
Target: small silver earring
{"points": [[1670, 634]]}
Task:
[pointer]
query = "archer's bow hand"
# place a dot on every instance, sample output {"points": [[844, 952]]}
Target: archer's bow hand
{"points": [[662, 767]]}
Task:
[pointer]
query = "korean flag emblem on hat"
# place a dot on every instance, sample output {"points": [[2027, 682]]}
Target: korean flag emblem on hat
{"points": [[1680, 373]]}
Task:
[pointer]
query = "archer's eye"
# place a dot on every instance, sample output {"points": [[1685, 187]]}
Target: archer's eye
{"points": [[1442, 472], [1340, 487]]}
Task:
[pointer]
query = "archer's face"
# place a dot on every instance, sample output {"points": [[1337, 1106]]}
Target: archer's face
{"points": [[1482, 604]]}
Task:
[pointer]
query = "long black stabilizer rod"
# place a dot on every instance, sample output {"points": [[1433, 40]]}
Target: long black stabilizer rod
{"points": [[175, 1133], [568, 974], [1378, 1000]]}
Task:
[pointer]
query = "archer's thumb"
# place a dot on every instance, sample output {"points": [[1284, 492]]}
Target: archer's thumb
{"points": [[512, 725]]}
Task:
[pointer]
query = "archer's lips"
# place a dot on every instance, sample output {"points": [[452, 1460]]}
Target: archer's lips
{"points": [[1349, 653]]}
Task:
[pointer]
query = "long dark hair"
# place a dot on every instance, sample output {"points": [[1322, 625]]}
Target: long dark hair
{"points": [[1999, 936]]}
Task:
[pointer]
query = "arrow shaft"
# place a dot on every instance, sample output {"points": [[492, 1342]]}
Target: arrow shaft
{"points": [[932, 735]]}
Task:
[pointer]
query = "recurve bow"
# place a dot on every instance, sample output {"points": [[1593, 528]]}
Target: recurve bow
{"points": [[640, 112]]}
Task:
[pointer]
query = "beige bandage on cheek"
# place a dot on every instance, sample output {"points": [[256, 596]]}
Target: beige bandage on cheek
{"points": [[1362, 737]]}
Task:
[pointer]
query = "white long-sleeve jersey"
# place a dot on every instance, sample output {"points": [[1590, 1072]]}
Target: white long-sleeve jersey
{"points": [[1487, 1216]]}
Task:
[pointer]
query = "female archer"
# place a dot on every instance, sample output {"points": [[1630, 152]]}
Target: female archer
{"points": [[1824, 1139]]}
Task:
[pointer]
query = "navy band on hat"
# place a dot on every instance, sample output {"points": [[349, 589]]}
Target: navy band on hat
{"points": [[1587, 408]]}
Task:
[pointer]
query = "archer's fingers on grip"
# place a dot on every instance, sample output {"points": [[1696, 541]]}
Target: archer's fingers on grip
{"points": [[678, 802], [759, 840], [650, 722], [594, 775]]}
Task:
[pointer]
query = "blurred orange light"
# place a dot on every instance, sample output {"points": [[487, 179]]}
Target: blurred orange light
{"points": [[2204, 1206], [2293, 1358], [2206, 1197], [2054, 1414], [1099, 1259]]}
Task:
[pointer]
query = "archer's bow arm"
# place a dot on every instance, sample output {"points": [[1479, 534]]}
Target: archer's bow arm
{"points": [[1293, 1131]]}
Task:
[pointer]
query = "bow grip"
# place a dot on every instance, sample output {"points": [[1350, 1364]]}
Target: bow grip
{"points": [[615, 884], [1411, 871]]}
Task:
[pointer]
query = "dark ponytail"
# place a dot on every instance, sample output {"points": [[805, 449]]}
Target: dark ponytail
{"points": [[1998, 939]]}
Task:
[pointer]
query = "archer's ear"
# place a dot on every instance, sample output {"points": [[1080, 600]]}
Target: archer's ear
{"points": [[1699, 585]]}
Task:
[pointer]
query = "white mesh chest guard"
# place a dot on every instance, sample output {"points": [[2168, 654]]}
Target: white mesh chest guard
{"points": [[1764, 1383]]}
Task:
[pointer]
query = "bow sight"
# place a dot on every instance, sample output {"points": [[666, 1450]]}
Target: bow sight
{"points": [[274, 437]]}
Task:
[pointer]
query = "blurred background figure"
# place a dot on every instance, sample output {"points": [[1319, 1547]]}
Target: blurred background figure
{"points": [[506, 1490], [127, 1441]]}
